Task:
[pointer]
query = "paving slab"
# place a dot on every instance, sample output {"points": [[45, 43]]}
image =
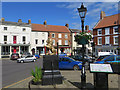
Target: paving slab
{"points": [[72, 80]]}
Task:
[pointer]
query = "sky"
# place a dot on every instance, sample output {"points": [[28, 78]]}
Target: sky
{"points": [[57, 13]]}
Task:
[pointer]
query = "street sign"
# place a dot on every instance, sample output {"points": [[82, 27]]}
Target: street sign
{"points": [[104, 68]]}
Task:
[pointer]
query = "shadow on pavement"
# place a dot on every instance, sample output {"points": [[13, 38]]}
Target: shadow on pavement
{"points": [[89, 86]]}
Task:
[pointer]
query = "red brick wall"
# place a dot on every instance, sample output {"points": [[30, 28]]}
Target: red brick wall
{"points": [[103, 37], [63, 38]]}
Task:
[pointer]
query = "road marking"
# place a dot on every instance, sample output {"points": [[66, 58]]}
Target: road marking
{"points": [[17, 82]]}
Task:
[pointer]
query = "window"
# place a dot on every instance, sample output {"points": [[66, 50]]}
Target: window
{"points": [[107, 31], [110, 58], [99, 31], [53, 35], [14, 39], [66, 42], [5, 28], [115, 30], [118, 58], [60, 42], [42, 41], [5, 38], [36, 41], [23, 38], [107, 40], [53, 42], [115, 39], [66, 36], [99, 40], [59, 35], [24, 29]]}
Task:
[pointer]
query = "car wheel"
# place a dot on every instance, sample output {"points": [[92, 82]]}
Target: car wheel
{"points": [[76, 67], [33, 60], [22, 61]]}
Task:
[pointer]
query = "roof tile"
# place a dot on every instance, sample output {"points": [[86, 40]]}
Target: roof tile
{"points": [[108, 21], [50, 28]]}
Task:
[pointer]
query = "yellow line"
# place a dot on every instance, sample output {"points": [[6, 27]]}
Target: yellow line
{"points": [[17, 82]]}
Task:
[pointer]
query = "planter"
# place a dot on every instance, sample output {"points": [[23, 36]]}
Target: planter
{"points": [[82, 40], [35, 83]]}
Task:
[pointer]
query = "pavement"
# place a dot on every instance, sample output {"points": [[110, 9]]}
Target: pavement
{"points": [[72, 80]]}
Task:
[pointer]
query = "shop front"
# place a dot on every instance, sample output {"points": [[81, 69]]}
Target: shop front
{"points": [[7, 50]]}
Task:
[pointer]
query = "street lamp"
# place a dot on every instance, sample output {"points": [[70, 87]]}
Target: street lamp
{"points": [[82, 12]]}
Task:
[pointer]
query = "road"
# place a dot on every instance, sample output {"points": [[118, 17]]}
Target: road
{"points": [[13, 72]]}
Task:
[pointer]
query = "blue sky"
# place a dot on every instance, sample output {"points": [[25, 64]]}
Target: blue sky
{"points": [[57, 13]]}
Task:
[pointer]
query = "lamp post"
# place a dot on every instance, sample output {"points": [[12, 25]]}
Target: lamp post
{"points": [[82, 12]]}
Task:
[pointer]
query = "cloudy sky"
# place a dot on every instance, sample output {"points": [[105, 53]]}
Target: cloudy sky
{"points": [[57, 13]]}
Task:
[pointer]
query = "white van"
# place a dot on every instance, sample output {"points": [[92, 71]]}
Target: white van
{"points": [[105, 53]]}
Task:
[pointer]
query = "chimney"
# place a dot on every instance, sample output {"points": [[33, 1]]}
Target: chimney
{"points": [[102, 15], [67, 25], [29, 21], [2, 19], [45, 22], [86, 27], [19, 20]]}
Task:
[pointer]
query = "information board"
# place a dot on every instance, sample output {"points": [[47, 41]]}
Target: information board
{"points": [[101, 68]]}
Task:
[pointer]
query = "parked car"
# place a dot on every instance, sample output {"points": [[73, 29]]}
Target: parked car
{"points": [[79, 58], [62, 55], [14, 56], [110, 59], [29, 58], [25, 54], [101, 57], [37, 55], [69, 63]]}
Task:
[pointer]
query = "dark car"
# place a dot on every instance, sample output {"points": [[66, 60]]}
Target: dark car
{"points": [[79, 58], [101, 57], [112, 59], [14, 56]]}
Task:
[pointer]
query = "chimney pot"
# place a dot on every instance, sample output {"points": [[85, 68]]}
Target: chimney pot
{"points": [[67, 25], [86, 27], [19, 20], [102, 15], [45, 22], [29, 21]]}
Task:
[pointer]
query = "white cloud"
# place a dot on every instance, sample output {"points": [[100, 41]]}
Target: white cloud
{"points": [[93, 10], [75, 25]]}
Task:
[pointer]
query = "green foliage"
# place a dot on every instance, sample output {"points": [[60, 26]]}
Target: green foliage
{"points": [[83, 37], [37, 74]]}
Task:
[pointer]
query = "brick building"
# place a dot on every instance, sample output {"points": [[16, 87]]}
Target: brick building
{"points": [[60, 34], [106, 33]]}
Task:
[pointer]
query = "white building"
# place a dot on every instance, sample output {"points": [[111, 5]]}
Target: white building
{"points": [[15, 37], [38, 42]]}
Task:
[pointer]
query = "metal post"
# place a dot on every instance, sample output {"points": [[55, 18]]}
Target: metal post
{"points": [[57, 48], [83, 76]]}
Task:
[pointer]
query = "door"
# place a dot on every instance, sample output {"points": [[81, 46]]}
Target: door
{"points": [[14, 50], [29, 59], [65, 64]]}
